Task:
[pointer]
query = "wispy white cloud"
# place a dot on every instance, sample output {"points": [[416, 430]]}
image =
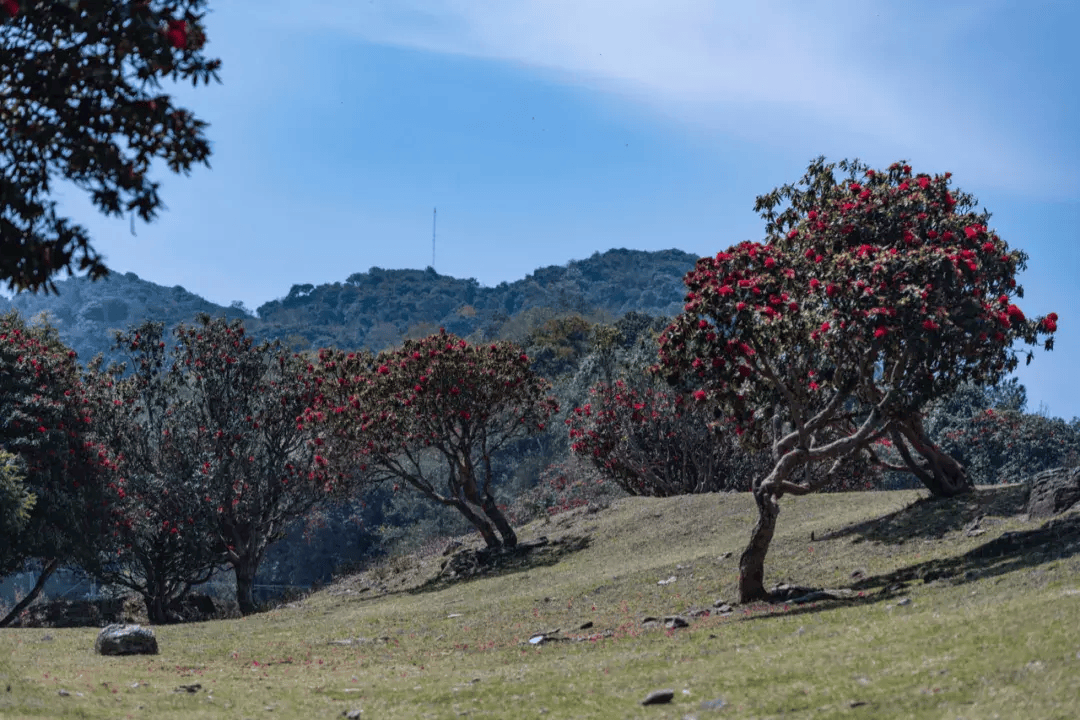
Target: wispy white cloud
{"points": [[889, 80]]}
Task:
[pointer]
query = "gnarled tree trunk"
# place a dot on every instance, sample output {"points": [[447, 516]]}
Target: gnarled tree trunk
{"points": [[245, 571], [509, 537], [752, 561], [483, 526], [942, 475], [46, 572]]}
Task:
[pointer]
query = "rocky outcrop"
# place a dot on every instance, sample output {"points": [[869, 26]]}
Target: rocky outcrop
{"points": [[1053, 491]]}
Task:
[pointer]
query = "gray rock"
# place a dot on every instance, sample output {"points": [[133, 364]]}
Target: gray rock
{"points": [[658, 697], [126, 640], [1053, 491], [675, 621]]}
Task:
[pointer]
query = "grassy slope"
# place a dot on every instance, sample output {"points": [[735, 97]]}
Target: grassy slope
{"points": [[997, 636]]}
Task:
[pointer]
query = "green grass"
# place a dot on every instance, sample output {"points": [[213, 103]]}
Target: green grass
{"points": [[991, 629]]}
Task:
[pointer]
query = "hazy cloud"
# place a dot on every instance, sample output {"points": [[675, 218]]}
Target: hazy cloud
{"points": [[876, 78]]}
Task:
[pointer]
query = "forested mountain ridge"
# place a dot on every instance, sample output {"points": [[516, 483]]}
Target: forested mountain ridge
{"points": [[374, 309], [86, 312]]}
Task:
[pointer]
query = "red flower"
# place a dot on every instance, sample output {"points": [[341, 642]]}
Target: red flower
{"points": [[830, 290], [740, 306], [10, 6], [881, 332], [771, 262], [1049, 323], [177, 34], [699, 394], [383, 370], [825, 327], [924, 182], [930, 325], [726, 290], [814, 284], [813, 385], [1015, 313]]}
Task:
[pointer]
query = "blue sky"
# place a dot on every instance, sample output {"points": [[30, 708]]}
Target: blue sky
{"points": [[547, 130]]}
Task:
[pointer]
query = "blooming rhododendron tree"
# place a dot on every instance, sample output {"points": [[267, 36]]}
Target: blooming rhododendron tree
{"points": [[431, 414], [81, 101], [657, 443], [873, 294], [217, 450], [44, 424], [164, 538]]}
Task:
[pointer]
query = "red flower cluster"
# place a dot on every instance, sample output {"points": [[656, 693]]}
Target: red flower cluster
{"points": [[176, 33]]}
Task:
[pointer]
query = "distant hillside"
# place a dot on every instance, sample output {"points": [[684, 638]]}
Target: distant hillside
{"points": [[376, 308], [86, 312]]}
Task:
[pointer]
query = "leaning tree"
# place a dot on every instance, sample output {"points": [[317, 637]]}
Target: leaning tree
{"points": [[432, 414], [873, 293], [81, 102]]}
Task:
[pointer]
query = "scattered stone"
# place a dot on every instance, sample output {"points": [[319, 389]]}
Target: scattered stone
{"points": [[1052, 491], [63, 693], [714, 704], [904, 601], [352, 714], [586, 625], [649, 622], [700, 612], [675, 621], [857, 703], [858, 573], [668, 581], [46, 638], [725, 556], [126, 640], [723, 608], [451, 616], [545, 637], [658, 697], [193, 688]]}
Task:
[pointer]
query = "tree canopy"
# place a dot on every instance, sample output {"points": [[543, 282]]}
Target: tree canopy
{"points": [[81, 103], [431, 414]]}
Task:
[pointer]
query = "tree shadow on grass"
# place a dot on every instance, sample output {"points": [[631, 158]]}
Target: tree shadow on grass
{"points": [[469, 564], [1057, 539], [936, 517]]}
